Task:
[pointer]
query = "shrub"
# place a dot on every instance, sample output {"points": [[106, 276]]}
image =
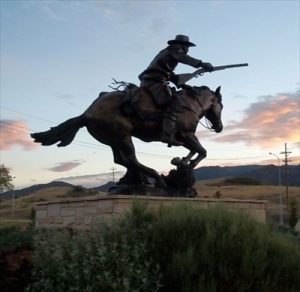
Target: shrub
{"points": [[172, 249], [109, 258], [14, 238], [15, 258], [218, 195], [242, 180], [214, 250], [79, 191], [293, 216]]}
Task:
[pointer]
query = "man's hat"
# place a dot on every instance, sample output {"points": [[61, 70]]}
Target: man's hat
{"points": [[181, 39]]}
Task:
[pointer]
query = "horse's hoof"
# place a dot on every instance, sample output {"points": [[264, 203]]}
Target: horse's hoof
{"points": [[176, 161]]}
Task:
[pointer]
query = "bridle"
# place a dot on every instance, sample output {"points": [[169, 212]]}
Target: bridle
{"points": [[209, 125]]}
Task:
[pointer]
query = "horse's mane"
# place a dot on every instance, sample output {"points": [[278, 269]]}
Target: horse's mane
{"points": [[192, 91]]}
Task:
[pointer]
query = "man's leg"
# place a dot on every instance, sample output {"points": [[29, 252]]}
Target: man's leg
{"points": [[169, 127]]}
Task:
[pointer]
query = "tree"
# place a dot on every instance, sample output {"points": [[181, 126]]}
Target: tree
{"points": [[5, 179]]}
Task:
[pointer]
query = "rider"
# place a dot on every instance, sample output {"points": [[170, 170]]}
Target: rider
{"points": [[157, 76]]}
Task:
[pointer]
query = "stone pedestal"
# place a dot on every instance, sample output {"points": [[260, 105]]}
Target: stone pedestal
{"points": [[81, 213]]}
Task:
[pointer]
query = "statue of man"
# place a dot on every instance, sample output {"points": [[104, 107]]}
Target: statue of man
{"points": [[157, 76]]}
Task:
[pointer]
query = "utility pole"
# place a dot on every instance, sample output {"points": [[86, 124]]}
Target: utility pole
{"points": [[279, 184], [13, 200], [113, 173], [286, 153]]}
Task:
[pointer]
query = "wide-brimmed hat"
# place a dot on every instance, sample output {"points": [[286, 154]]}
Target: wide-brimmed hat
{"points": [[180, 38]]}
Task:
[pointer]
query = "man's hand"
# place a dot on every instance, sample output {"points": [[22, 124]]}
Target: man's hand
{"points": [[207, 67]]}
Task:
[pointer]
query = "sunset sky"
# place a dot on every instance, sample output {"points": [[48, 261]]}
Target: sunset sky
{"points": [[56, 56]]}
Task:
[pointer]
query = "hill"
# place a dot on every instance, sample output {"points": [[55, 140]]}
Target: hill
{"points": [[266, 174], [35, 188], [105, 187]]}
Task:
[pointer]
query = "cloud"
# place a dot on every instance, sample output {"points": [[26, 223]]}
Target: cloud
{"points": [[267, 122], [150, 17], [15, 133], [66, 166]]}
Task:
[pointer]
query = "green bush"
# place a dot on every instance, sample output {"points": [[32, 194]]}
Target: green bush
{"points": [[293, 214], [79, 191], [172, 249], [109, 258], [214, 250], [14, 238], [242, 180], [15, 264]]}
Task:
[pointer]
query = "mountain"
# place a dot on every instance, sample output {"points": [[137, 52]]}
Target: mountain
{"points": [[266, 174], [92, 180], [105, 187], [35, 188]]}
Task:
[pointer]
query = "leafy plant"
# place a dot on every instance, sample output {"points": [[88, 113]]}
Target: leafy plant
{"points": [[5, 179], [14, 238], [293, 214], [170, 249], [242, 180], [111, 257]]}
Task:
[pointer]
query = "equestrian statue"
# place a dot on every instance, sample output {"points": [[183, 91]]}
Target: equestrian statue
{"points": [[153, 111]]}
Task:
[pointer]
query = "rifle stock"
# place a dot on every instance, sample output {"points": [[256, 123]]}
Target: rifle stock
{"points": [[181, 79]]}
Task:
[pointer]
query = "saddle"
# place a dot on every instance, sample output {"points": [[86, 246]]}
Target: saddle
{"points": [[139, 103]]}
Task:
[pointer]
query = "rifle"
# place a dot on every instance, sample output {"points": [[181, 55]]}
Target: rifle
{"points": [[181, 79]]}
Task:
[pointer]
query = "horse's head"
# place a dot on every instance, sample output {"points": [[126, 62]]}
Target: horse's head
{"points": [[210, 103], [215, 111]]}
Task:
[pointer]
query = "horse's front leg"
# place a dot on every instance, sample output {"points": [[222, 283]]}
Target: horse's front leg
{"points": [[187, 158], [192, 143]]}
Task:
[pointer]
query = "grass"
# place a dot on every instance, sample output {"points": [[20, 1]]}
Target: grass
{"points": [[178, 249], [23, 223]]}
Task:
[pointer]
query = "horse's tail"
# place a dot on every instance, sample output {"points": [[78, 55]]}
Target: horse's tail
{"points": [[64, 132]]}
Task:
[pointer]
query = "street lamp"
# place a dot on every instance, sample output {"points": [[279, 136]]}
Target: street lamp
{"points": [[279, 184]]}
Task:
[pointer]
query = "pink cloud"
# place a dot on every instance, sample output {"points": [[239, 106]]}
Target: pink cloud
{"points": [[66, 166], [15, 133], [267, 122]]}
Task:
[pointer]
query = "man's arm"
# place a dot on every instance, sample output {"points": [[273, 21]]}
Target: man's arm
{"points": [[188, 60]]}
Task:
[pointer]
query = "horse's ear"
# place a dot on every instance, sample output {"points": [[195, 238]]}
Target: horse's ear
{"points": [[218, 90]]}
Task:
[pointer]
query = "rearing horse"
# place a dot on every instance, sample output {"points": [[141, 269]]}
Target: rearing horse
{"points": [[108, 122]]}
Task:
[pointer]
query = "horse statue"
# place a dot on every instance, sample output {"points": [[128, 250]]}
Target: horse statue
{"points": [[115, 117]]}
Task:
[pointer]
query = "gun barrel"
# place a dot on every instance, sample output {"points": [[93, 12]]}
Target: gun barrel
{"points": [[229, 66], [239, 65]]}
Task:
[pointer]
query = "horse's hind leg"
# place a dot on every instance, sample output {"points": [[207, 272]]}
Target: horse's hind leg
{"points": [[124, 154]]}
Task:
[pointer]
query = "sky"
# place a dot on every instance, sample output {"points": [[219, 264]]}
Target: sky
{"points": [[56, 56]]}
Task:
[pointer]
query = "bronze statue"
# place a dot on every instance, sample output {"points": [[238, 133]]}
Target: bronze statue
{"points": [[147, 111], [160, 72], [112, 124]]}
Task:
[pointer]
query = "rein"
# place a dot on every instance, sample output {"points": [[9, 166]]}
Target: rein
{"points": [[208, 125]]}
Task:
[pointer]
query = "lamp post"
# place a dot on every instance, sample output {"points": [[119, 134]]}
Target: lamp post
{"points": [[279, 184]]}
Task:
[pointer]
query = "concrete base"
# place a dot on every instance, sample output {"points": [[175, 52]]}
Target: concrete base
{"points": [[81, 213]]}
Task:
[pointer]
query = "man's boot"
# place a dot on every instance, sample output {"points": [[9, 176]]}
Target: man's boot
{"points": [[169, 130]]}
